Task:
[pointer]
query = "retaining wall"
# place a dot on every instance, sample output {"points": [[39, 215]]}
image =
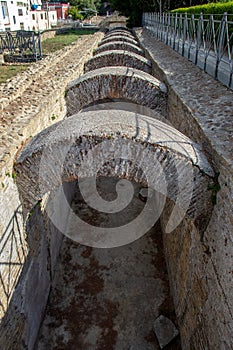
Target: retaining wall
{"points": [[199, 260], [30, 102], [200, 266]]}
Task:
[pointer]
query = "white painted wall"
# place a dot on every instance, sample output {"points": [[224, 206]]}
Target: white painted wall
{"points": [[41, 20], [17, 14]]}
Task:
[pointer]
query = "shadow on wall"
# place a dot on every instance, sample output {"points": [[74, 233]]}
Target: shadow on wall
{"points": [[13, 252], [30, 270]]}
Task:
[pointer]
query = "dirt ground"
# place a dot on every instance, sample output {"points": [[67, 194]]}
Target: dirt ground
{"points": [[108, 299]]}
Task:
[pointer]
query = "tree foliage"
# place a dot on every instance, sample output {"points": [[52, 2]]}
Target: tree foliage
{"points": [[133, 9], [73, 11], [211, 8], [83, 6]]}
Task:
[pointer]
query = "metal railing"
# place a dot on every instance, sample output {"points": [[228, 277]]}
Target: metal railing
{"points": [[21, 45], [206, 40]]}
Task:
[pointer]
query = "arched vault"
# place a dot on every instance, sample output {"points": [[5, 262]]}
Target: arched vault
{"points": [[119, 45], [118, 58], [115, 83], [121, 144]]}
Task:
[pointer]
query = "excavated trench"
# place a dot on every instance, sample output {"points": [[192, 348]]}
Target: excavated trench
{"points": [[110, 298]]}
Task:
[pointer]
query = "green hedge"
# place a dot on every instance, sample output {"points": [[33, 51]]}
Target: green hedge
{"points": [[218, 8]]}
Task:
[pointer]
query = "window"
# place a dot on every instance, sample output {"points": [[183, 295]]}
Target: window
{"points": [[4, 9], [33, 17], [41, 15], [19, 4], [53, 16], [22, 26], [45, 16], [14, 19], [20, 12]]}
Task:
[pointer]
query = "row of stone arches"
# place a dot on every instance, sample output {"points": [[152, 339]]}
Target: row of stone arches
{"points": [[116, 127], [106, 81]]}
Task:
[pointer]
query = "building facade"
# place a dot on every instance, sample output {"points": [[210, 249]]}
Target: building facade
{"points": [[60, 8], [43, 19], [25, 15]]}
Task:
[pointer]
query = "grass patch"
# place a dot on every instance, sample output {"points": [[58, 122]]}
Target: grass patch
{"points": [[7, 72], [62, 40], [48, 46]]}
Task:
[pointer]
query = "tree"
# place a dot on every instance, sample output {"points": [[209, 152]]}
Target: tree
{"points": [[83, 4], [73, 11], [133, 9], [82, 8]]}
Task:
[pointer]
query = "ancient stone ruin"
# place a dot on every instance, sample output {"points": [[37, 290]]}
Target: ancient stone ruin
{"points": [[127, 235]]}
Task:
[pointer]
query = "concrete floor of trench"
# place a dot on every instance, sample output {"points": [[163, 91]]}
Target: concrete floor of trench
{"points": [[108, 299]]}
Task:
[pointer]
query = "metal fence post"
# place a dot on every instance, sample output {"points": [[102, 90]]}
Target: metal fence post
{"points": [[184, 33], [39, 45], [220, 43], [229, 52], [143, 19], [174, 36], [198, 37]]}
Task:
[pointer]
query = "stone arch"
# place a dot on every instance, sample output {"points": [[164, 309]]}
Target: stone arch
{"points": [[119, 45], [56, 155], [119, 28], [119, 32], [118, 38], [119, 35], [118, 58], [115, 83]]}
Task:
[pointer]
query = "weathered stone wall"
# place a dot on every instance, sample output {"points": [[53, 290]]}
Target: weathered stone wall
{"points": [[199, 254], [119, 45], [29, 103], [115, 82], [122, 32], [47, 35], [200, 266], [118, 58], [163, 142], [118, 38], [24, 314]]}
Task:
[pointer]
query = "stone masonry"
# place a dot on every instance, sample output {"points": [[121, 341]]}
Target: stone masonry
{"points": [[198, 133], [164, 142], [200, 267], [118, 38], [119, 45], [115, 83], [118, 58], [77, 96], [29, 103]]}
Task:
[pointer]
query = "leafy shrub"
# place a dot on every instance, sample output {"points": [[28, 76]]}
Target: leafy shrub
{"points": [[212, 8]]}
